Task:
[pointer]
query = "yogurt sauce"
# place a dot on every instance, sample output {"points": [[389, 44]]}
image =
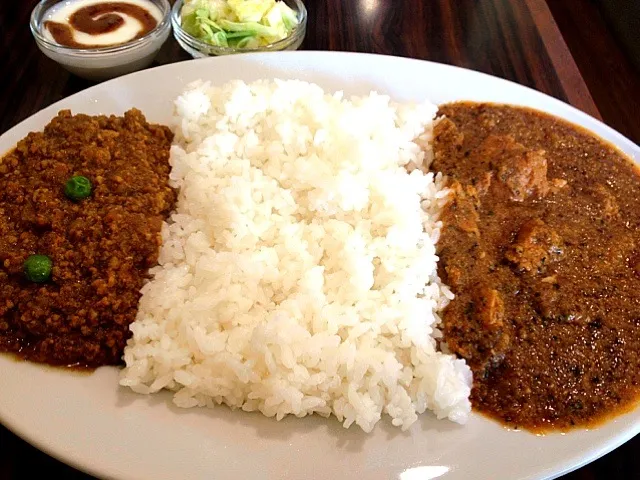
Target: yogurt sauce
{"points": [[99, 23]]}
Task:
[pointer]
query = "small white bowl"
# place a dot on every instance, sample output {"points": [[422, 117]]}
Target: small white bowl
{"points": [[200, 49], [105, 62]]}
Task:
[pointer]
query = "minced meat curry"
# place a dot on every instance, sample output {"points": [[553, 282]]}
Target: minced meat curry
{"points": [[541, 245], [81, 208]]}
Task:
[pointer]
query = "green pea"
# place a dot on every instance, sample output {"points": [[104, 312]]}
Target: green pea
{"points": [[37, 268], [77, 188]]}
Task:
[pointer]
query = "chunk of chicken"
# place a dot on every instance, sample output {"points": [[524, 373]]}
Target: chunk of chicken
{"points": [[489, 307], [462, 210], [535, 245], [447, 140], [607, 201], [479, 334], [521, 170]]}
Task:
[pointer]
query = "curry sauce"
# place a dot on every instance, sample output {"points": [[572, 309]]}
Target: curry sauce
{"points": [[541, 246]]}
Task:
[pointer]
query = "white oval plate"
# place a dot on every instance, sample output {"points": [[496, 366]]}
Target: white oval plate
{"points": [[91, 423]]}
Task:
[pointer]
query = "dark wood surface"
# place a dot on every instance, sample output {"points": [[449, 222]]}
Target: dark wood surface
{"points": [[567, 51], [610, 75]]}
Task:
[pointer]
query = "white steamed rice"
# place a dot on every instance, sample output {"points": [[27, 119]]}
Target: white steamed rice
{"points": [[298, 273]]}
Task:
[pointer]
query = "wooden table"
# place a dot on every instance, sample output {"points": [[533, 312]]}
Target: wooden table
{"points": [[518, 40]]}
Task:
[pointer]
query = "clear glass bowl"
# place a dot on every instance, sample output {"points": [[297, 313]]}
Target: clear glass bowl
{"points": [[200, 49], [104, 62]]}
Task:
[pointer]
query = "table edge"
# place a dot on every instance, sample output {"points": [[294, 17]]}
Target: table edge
{"points": [[567, 70]]}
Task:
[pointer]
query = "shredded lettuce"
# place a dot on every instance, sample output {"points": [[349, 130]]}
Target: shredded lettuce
{"points": [[238, 23], [250, 10]]}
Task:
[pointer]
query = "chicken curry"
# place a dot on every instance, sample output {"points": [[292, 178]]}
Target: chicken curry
{"points": [[541, 246]]}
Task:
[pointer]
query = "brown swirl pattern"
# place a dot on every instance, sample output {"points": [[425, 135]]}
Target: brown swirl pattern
{"points": [[98, 20]]}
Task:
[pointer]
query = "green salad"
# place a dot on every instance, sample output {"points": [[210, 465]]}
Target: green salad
{"points": [[238, 23]]}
